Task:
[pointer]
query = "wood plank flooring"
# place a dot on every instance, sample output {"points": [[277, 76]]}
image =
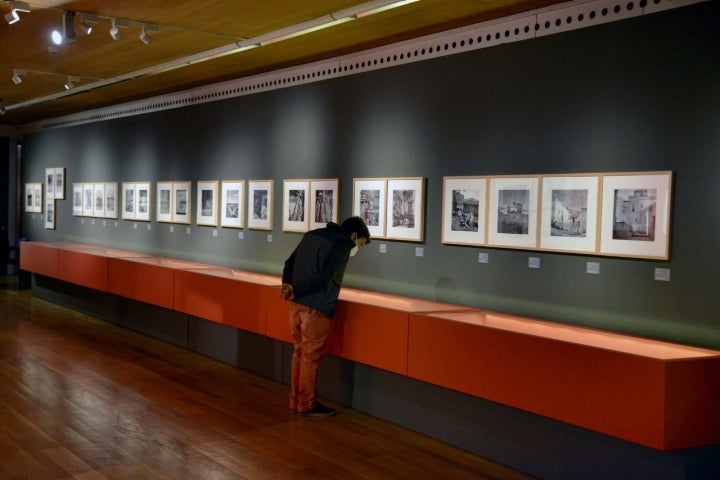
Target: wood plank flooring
{"points": [[83, 399]]}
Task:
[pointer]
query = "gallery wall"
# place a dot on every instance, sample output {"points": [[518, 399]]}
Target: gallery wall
{"points": [[633, 95]]}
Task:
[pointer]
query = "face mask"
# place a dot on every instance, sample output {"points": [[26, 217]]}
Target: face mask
{"points": [[353, 251]]}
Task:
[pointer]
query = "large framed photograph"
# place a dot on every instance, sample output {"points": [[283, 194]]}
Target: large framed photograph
{"points": [[295, 205], [33, 197], [49, 214], [231, 206], [164, 202], [369, 196], [260, 204], [405, 208], [129, 201], [636, 214], [182, 202], [207, 203], [464, 210], [324, 197], [111, 209], [142, 197], [513, 212], [569, 213]]}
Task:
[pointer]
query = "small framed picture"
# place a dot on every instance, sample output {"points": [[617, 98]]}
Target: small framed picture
{"points": [[260, 204], [59, 183], [49, 214], [513, 212], [142, 199], [129, 201], [98, 200], [207, 202], [38, 197], [111, 209], [33, 197], [164, 207], [464, 210], [369, 196], [77, 198], [50, 182], [232, 206], [636, 214], [295, 205], [405, 208], [568, 214], [182, 202], [88, 199], [324, 198]]}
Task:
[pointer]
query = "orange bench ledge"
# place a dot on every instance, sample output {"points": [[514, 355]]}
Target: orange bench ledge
{"points": [[657, 394]]}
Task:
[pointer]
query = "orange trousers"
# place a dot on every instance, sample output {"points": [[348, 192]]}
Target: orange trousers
{"points": [[310, 329]]}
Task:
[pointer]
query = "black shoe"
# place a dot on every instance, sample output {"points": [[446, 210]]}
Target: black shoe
{"points": [[318, 410]]}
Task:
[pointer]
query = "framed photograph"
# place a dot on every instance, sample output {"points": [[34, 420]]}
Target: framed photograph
{"points": [[33, 197], [59, 175], [369, 196], [142, 201], [87, 199], [231, 206], [324, 197], [98, 200], [111, 200], [77, 199], [50, 182], [164, 207], [49, 214], [295, 205], [405, 208], [513, 212], [207, 202], [129, 201], [636, 214], [464, 210], [568, 214], [182, 202], [260, 204]]}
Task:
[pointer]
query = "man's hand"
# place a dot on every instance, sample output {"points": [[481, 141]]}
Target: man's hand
{"points": [[286, 292]]}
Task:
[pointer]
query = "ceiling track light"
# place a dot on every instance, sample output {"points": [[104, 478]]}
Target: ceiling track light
{"points": [[144, 37], [85, 20], [17, 76], [68, 32], [15, 7], [71, 82], [118, 23]]}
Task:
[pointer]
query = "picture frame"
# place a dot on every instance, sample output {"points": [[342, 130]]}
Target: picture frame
{"points": [[513, 212], [369, 203], [207, 203], [49, 214], [77, 199], [33, 197], [164, 206], [182, 202], [296, 209], [635, 218], [88, 193], [98, 200], [50, 182], [405, 209], [232, 206], [324, 200], [260, 204], [59, 183], [142, 201], [129, 204], [569, 213], [111, 203], [464, 210]]}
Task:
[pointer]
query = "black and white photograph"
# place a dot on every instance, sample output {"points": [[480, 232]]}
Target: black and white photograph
{"points": [[324, 207], [634, 215], [513, 211], [59, 190], [207, 201], [569, 213], [50, 182], [33, 197], [260, 204], [77, 198], [231, 206], [463, 214], [181, 203], [163, 207], [88, 204], [49, 213], [296, 208], [369, 203], [99, 200], [405, 208], [129, 201], [111, 200]]}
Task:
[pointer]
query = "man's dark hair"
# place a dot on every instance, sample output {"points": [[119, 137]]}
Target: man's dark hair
{"points": [[356, 225]]}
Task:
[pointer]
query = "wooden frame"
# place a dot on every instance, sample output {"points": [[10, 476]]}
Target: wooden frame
{"points": [[129, 203], [77, 199], [369, 203], [164, 207], [324, 200], [98, 200], [33, 197], [405, 209], [513, 212], [111, 200], [569, 213], [49, 214], [232, 203], [464, 210], [207, 203], [87, 199], [295, 205], [636, 214], [142, 197], [260, 204], [182, 202]]}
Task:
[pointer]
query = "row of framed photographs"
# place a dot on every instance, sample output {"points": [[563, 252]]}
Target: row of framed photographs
{"points": [[617, 214]]}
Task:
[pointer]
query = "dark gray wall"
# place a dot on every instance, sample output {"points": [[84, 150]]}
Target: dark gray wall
{"points": [[634, 95]]}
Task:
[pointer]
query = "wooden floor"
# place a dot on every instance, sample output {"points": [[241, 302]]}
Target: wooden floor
{"points": [[83, 399]]}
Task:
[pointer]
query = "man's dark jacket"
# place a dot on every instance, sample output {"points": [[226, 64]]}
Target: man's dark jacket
{"points": [[317, 266]]}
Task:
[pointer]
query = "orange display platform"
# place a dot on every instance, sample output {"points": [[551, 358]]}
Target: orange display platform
{"points": [[653, 393]]}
